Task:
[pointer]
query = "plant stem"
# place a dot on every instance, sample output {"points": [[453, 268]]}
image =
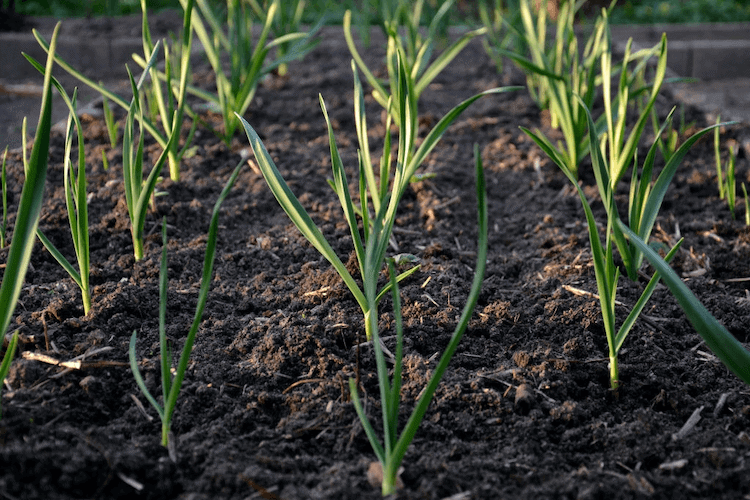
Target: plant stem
{"points": [[614, 375], [390, 473], [86, 296], [137, 243]]}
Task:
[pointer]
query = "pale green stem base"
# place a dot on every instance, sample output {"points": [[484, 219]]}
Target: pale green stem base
{"points": [[174, 167], [368, 330], [390, 475], [86, 296], [137, 245], [137, 251], [614, 373], [165, 434]]}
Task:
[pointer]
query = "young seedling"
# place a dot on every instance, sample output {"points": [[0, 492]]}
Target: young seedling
{"points": [[109, 121], [236, 88], [288, 20], [172, 383], [74, 183], [171, 103], [378, 221], [725, 175], [390, 452], [668, 144], [730, 188], [27, 218], [621, 147], [74, 180], [503, 24], [645, 199], [412, 51], [170, 108], [644, 203], [137, 191], [557, 72], [717, 157], [145, 122]]}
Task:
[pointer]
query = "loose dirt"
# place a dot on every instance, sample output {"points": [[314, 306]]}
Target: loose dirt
{"points": [[524, 411]]}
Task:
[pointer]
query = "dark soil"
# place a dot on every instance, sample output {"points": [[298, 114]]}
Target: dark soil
{"points": [[265, 410]]}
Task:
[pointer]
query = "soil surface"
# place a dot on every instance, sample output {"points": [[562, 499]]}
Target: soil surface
{"points": [[524, 410]]}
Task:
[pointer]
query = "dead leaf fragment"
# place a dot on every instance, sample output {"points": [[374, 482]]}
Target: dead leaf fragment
{"points": [[375, 476]]}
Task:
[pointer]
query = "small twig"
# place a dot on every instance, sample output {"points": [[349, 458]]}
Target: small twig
{"points": [[427, 296], [76, 363], [263, 492], [736, 280], [649, 320], [386, 351], [300, 382], [584, 293], [320, 292], [447, 203]]}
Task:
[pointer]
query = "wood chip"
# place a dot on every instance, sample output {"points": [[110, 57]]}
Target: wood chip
{"points": [[466, 495], [691, 422], [675, 465], [76, 363], [584, 293], [720, 404], [136, 485]]}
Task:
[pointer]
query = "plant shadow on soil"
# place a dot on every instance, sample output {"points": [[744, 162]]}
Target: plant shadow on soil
{"points": [[265, 410]]}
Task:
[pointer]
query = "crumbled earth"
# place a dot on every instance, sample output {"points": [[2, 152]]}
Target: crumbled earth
{"points": [[524, 410]]}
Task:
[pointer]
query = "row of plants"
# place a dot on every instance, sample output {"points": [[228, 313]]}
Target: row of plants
{"points": [[564, 80], [628, 12], [684, 11]]}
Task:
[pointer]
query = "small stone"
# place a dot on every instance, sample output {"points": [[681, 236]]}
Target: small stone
{"points": [[524, 399]]}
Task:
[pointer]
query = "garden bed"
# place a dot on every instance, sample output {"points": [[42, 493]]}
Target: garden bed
{"points": [[265, 410]]}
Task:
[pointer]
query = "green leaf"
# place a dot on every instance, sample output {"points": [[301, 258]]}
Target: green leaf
{"points": [[726, 347], [444, 59], [139, 378], [417, 415], [296, 212], [342, 189], [30, 204]]}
